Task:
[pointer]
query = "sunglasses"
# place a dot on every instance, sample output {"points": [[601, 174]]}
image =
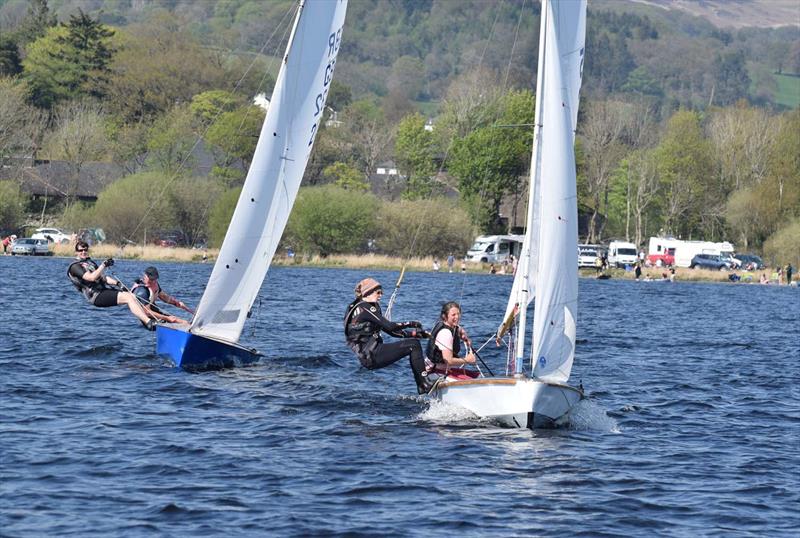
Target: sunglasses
{"points": [[83, 250]]}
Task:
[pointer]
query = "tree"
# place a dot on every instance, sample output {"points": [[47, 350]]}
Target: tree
{"points": [[236, 134], [489, 161], [601, 133], [131, 206], [171, 140], [12, 205], [330, 220], [220, 216], [10, 63], [191, 200], [21, 125], [209, 105], [731, 79], [37, 21], [79, 137], [683, 163], [69, 61], [415, 149], [346, 176], [364, 133]]}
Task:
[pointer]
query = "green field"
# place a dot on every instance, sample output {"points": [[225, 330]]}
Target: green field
{"points": [[788, 93]]}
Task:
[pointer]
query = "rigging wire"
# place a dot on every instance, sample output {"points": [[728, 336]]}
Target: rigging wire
{"points": [[201, 136]]}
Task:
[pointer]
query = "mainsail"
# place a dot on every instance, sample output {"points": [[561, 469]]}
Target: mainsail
{"points": [[548, 268], [279, 161]]}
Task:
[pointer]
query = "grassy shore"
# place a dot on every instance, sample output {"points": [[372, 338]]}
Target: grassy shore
{"points": [[381, 262]]}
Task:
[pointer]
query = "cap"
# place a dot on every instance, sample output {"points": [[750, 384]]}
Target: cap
{"points": [[151, 272], [366, 287]]}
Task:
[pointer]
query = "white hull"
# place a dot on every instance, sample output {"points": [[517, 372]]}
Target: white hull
{"points": [[514, 402]]}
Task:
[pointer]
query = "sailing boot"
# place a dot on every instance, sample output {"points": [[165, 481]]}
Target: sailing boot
{"points": [[150, 325], [425, 383]]}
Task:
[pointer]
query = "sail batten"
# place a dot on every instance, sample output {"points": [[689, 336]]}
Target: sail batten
{"points": [[273, 180]]}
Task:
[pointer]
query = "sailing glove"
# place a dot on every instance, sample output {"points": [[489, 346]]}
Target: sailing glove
{"points": [[109, 262], [410, 324]]}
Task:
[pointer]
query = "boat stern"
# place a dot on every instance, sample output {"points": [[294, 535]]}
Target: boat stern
{"points": [[196, 353]]}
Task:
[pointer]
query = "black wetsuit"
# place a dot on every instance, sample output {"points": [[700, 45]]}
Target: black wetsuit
{"points": [[363, 324], [98, 292]]}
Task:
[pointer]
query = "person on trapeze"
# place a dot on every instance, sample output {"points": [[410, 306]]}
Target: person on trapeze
{"points": [[363, 324], [444, 344], [148, 291], [100, 290]]}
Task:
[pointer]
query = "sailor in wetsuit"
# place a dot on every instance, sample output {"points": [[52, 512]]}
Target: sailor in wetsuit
{"points": [[101, 290], [363, 324], [148, 291]]}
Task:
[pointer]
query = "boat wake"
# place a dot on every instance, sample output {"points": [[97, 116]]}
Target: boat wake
{"points": [[588, 416], [443, 413]]}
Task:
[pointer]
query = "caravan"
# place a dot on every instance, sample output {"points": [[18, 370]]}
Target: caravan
{"points": [[671, 251], [495, 248]]}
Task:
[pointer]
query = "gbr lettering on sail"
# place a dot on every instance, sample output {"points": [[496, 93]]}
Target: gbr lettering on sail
{"points": [[334, 41]]}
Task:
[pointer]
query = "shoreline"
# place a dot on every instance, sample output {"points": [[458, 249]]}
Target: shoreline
{"points": [[152, 253]]}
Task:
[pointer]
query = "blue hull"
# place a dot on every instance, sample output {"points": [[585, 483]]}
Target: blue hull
{"points": [[196, 353]]}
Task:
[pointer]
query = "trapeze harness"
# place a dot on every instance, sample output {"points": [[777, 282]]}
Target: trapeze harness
{"points": [[363, 337], [90, 290]]}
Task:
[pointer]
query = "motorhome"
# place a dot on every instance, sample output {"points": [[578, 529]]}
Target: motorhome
{"points": [[495, 248], [621, 253], [670, 251]]}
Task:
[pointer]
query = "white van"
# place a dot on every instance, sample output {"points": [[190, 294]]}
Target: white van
{"points": [[588, 254], [495, 248], [621, 253]]}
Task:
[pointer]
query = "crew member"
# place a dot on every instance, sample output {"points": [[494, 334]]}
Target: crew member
{"points": [[101, 290], [148, 291], [363, 324], [444, 344]]}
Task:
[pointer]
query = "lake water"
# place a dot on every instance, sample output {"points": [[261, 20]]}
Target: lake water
{"points": [[692, 426]]}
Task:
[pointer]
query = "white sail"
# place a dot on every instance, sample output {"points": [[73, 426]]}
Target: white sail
{"points": [[279, 161], [570, 20], [557, 276]]}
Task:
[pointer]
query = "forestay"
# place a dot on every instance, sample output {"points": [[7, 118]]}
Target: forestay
{"points": [[278, 164]]}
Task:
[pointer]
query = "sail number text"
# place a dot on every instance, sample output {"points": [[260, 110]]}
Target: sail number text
{"points": [[334, 41]]}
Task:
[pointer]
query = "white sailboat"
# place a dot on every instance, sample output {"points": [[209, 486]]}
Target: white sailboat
{"points": [[548, 266], [268, 193]]}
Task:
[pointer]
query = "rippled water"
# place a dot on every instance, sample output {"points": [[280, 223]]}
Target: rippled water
{"points": [[692, 426]]}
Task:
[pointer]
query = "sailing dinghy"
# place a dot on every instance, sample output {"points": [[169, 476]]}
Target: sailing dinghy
{"points": [[268, 193], [548, 266]]}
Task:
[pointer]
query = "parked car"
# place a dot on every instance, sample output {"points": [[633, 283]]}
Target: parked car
{"points": [[750, 262], [709, 261], [31, 247], [52, 234], [587, 255]]}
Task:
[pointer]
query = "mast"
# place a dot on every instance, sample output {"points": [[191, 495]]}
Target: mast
{"points": [[526, 266]]}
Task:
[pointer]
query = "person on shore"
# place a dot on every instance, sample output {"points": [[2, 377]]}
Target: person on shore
{"points": [[492, 269], [444, 344], [435, 265], [788, 270], [100, 290], [6, 242], [451, 260], [672, 274], [363, 324], [148, 291], [637, 271], [764, 279]]}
